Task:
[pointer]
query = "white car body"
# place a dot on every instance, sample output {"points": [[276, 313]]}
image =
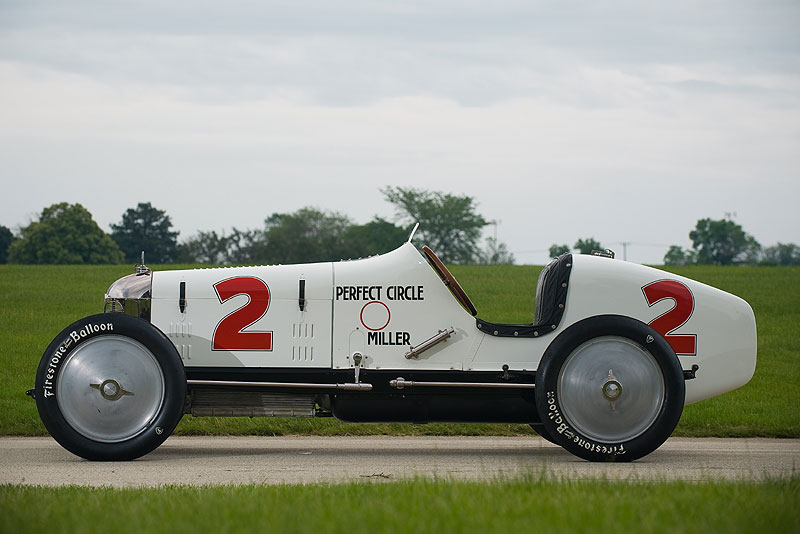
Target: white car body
{"points": [[338, 322]]}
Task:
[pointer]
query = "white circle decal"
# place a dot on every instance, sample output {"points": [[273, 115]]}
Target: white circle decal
{"points": [[375, 315]]}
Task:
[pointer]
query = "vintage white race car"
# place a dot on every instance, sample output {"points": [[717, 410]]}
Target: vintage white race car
{"points": [[614, 353]]}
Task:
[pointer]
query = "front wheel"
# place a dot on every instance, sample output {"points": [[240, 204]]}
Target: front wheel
{"points": [[110, 387], [610, 388]]}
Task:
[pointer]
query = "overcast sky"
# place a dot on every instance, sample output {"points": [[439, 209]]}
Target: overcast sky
{"points": [[623, 121]]}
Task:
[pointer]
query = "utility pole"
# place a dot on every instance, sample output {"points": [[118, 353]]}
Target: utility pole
{"points": [[495, 222], [625, 249]]}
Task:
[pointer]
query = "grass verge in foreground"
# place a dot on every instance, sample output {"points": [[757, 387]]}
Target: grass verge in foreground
{"points": [[528, 504]]}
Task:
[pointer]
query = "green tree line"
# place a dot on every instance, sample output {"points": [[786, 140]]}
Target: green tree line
{"points": [[723, 242], [66, 234], [714, 242]]}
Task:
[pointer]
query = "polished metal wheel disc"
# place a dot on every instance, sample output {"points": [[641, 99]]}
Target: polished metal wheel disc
{"points": [[611, 389], [110, 388]]}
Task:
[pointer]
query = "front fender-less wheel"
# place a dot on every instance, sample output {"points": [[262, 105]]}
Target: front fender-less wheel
{"points": [[110, 387], [610, 388]]}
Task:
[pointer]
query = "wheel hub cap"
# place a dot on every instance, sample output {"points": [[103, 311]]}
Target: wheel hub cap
{"points": [[611, 389], [110, 388], [609, 413]]}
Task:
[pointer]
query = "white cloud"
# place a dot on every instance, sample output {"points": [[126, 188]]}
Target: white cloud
{"points": [[629, 122]]}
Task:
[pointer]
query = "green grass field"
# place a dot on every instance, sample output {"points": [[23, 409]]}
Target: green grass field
{"points": [[38, 301], [528, 504]]}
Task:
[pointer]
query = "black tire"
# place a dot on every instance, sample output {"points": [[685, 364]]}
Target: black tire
{"points": [[542, 431], [610, 388], [110, 387]]}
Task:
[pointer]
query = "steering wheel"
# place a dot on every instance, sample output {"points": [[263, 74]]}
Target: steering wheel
{"points": [[449, 280]]}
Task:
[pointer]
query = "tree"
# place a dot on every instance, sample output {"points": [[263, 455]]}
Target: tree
{"points": [[316, 236], [307, 235], [557, 250], [205, 247], [376, 237], [586, 246], [495, 253], [247, 246], [448, 223], [6, 238], [64, 234], [241, 247], [723, 242], [782, 254], [751, 254], [147, 229], [677, 256]]}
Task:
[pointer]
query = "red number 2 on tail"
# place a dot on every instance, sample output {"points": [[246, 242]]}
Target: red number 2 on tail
{"points": [[229, 333], [675, 317]]}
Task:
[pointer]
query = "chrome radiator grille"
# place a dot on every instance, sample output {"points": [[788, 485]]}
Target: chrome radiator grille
{"points": [[219, 402]]}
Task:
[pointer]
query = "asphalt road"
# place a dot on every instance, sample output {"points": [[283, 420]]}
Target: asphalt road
{"points": [[300, 460]]}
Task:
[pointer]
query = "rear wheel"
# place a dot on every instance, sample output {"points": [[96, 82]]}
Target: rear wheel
{"points": [[110, 387], [610, 388]]}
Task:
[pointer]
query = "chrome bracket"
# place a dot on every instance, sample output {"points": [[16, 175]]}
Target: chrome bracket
{"points": [[414, 352], [357, 359]]}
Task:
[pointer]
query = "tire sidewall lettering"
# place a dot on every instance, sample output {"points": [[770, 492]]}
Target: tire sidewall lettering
{"points": [[76, 335], [570, 433]]}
